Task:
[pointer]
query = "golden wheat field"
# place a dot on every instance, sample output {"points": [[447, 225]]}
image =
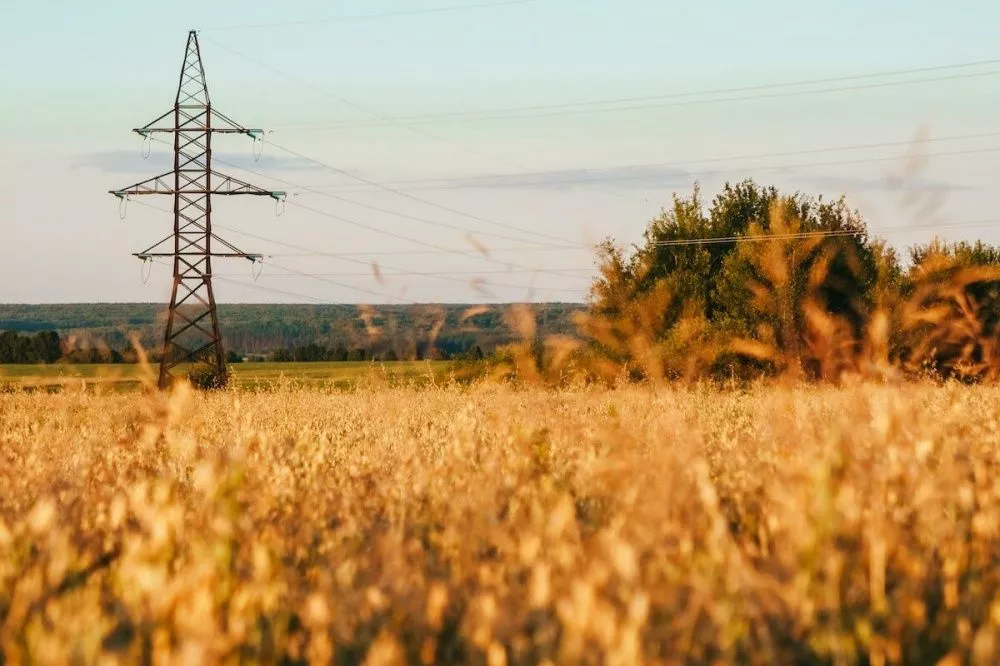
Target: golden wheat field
{"points": [[784, 524]]}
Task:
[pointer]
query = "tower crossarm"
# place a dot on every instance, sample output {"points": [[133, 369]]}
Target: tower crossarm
{"points": [[192, 118], [160, 250], [221, 184]]}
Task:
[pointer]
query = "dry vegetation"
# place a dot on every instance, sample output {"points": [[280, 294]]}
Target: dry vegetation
{"points": [[486, 524], [565, 516]]}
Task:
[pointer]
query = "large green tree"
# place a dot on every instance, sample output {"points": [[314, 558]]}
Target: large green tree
{"points": [[754, 264]]}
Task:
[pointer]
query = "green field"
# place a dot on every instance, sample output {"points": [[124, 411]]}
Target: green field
{"points": [[125, 376]]}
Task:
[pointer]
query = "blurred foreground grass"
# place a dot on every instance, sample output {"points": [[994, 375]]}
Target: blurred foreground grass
{"points": [[487, 525]]}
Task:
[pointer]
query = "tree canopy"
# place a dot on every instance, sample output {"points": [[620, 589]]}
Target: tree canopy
{"points": [[762, 281]]}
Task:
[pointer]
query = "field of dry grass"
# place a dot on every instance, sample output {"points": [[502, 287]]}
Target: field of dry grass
{"points": [[130, 377], [484, 524]]}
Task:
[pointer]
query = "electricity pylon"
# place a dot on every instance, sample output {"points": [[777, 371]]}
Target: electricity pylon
{"points": [[192, 332]]}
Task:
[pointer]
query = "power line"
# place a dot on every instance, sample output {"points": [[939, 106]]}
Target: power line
{"points": [[448, 277], [349, 258], [804, 235], [970, 224], [479, 257], [306, 297], [404, 273], [411, 197], [297, 295], [524, 113], [386, 119], [370, 292], [776, 167], [383, 253], [411, 253], [725, 91], [721, 240], [869, 160], [418, 218], [372, 183], [672, 243], [336, 283], [711, 240], [309, 253], [251, 285], [281, 292], [443, 275], [320, 277], [472, 181], [379, 209], [523, 170], [380, 15]]}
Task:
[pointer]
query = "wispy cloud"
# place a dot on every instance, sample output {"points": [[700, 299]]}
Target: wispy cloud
{"points": [[632, 177], [850, 184], [131, 161]]}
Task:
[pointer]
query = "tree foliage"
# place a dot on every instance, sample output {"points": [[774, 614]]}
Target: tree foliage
{"points": [[761, 281], [41, 347], [409, 332]]}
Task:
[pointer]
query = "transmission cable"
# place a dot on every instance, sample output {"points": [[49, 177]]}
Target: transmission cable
{"points": [[399, 272], [569, 272], [775, 167], [759, 238], [281, 292], [581, 108], [379, 209], [407, 195], [382, 253], [306, 252], [415, 130], [343, 285], [412, 253], [340, 218], [833, 233], [370, 112], [472, 181], [319, 277], [322, 278]]}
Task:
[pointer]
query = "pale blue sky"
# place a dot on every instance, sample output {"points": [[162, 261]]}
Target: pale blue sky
{"points": [[78, 76]]}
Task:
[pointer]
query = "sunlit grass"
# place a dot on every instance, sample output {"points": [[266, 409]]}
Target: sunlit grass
{"points": [[129, 376], [485, 524]]}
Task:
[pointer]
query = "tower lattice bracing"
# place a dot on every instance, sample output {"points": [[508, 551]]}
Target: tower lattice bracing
{"points": [[192, 337]]}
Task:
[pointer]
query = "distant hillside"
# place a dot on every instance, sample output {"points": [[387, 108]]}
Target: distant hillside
{"points": [[407, 330]]}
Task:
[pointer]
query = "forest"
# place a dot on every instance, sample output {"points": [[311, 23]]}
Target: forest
{"points": [[100, 332]]}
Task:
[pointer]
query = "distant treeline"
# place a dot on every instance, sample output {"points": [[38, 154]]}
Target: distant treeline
{"points": [[48, 347], [42, 347], [103, 332], [313, 353]]}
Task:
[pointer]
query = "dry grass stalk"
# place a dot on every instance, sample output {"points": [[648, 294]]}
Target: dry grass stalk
{"points": [[793, 524]]}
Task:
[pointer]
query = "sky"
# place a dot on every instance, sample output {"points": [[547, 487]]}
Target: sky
{"points": [[475, 150]]}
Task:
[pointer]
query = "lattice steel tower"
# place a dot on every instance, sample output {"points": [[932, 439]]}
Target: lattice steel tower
{"points": [[192, 330]]}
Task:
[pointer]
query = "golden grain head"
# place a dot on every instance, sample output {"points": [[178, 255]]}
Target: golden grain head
{"points": [[785, 523]]}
